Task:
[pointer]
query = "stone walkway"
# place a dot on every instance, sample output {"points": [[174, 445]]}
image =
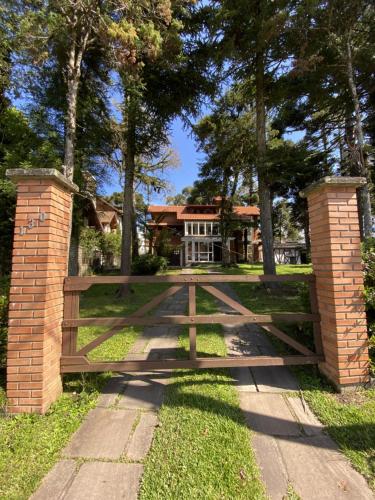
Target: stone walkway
{"points": [[290, 444], [104, 458]]}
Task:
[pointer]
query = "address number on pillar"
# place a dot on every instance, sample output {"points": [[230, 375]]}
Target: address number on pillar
{"points": [[31, 223]]}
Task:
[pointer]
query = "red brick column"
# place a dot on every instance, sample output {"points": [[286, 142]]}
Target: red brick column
{"points": [[39, 266], [336, 258]]}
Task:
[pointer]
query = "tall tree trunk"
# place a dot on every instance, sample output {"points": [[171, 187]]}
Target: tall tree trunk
{"points": [[265, 201], [69, 147], [73, 77], [364, 192], [78, 47], [128, 201], [224, 219], [70, 130]]}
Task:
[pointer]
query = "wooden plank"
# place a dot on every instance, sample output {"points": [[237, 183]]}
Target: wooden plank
{"points": [[83, 283], [269, 328], [69, 334], [315, 310], [99, 340], [140, 312], [227, 300], [192, 320], [72, 364], [192, 329]]}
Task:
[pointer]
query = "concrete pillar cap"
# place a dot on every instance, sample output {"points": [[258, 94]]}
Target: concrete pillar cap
{"points": [[17, 174], [333, 181]]}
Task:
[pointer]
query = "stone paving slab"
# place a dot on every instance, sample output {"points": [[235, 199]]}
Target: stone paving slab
{"points": [[57, 481], [271, 464], [141, 439], [269, 414], [274, 379], [243, 379], [106, 481], [142, 394], [103, 434], [111, 390], [311, 425], [314, 476]]}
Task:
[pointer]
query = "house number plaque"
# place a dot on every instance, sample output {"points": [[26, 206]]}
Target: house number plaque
{"points": [[31, 222]]}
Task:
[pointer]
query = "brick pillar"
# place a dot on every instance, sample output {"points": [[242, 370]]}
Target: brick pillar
{"points": [[39, 266], [336, 259]]}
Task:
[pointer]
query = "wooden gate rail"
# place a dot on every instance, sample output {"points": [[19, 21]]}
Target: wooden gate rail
{"points": [[76, 361]]}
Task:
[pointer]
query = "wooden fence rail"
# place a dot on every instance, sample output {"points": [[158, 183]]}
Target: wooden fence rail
{"points": [[76, 361]]}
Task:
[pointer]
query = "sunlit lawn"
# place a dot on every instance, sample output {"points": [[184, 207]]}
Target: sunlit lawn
{"points": [[202, 448], [31, 444], [101, 301]]}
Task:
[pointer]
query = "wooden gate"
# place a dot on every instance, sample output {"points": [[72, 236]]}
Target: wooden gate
{"points": [[74, 360]]}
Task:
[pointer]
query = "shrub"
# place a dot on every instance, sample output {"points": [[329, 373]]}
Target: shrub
{"points": [[4, 295], [148, 264], [368, 256], [89, 240], [111, 243], [163, 244]]}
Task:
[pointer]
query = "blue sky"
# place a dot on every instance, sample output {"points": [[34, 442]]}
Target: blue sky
{"points": [[183, 143]]}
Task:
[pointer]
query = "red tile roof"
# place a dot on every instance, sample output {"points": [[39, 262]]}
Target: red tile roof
{"points": [[182, 214]]}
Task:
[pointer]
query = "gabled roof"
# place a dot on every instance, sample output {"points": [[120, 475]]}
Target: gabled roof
{"points": [[106, 217]]}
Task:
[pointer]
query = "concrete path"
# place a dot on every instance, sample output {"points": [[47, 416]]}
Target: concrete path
{"points": [[290, 444], [104, 458]]}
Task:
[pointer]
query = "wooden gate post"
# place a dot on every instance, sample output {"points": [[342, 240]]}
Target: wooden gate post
{"points": [[336, 259], [39, 266]]}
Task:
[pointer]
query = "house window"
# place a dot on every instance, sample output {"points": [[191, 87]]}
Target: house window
{"points": [[202, 229], [200, 251]]}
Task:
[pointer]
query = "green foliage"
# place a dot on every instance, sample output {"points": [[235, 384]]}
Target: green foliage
{"points": [[284, 229], [110, 243], [31, 444], [368, 256], [20, 147], [4, 296], [90, 240], [163, 244], [148, 264]]}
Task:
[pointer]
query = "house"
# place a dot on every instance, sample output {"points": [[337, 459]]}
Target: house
{"points": [[102, 215], [195, 232], [290, 252], [99, 214]]}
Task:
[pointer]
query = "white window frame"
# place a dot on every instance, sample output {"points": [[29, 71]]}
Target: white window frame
{"points": [[194, 228]]}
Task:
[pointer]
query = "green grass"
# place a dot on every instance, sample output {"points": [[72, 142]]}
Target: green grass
{"points": [[349, 419], [253, 269], [202, 448], [31, 444], [101, 301]]}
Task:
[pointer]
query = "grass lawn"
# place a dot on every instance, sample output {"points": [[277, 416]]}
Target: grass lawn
{"points": [[31, 444], [202, 449], [101, 301], [350, 418]]}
